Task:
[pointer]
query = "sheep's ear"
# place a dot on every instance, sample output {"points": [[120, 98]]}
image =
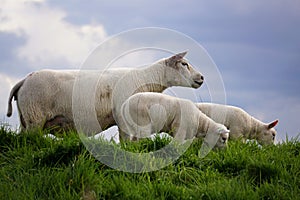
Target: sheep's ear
{"points": [[179, 56], [171, 61], [272, 124]]}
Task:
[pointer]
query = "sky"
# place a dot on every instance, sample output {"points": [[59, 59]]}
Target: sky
{"points": [[255, 44]]}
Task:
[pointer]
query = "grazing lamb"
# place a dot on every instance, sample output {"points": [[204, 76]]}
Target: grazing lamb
{"points": [[146, 113], [240, 123], [44, 98]]}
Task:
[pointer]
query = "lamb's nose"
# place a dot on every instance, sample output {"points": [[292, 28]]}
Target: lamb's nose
{"points": [[224, 139], [202, 78]]}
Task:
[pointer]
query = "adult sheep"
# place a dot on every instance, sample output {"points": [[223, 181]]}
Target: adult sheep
{"points": [[44, 98], [147, 113], [240, 123]]}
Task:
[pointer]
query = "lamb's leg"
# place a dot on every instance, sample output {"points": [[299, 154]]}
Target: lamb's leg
{"points": [[123, 136], [136, 133], [236, 134]]}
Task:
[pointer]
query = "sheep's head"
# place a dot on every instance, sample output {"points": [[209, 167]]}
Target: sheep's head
{"points": [[266, 133], [181, 73]]}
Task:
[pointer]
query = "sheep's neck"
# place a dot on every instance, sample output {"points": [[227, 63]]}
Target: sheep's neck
{"points": [[152, 79]]}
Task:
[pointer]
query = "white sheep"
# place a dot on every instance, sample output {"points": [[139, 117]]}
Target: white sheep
{"points": [[44, 98], [147, 113], [240, 123]]}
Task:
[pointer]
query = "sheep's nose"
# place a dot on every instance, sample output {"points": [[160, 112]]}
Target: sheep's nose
{"points": [[202, 78]]}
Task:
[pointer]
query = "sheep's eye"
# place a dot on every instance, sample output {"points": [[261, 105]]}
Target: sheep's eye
{"points": [[185, 65]]}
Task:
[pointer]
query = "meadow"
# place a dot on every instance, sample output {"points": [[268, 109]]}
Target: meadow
{"points": [[36, 167]]}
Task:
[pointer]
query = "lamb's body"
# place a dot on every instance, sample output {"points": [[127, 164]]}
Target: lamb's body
{"points": [[240, 123], [44, 98], [146, 113]]}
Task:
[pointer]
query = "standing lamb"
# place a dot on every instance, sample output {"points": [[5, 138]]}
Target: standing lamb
{"points": [[44, 98], [240, 123], [146, 113]]}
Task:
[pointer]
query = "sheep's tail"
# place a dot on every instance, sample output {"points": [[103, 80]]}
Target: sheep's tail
{"points": [[13, 93]]}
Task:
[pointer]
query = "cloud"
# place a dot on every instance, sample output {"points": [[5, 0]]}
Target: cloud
{"points": [[49, 39], [35, 35]]}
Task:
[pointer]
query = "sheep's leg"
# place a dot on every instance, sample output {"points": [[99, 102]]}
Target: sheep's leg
{"points": [[22, 122], [58, 124], [31, 113], [31, 121], [21, 118], [33, 124]]}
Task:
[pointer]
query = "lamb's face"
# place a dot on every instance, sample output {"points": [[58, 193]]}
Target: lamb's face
{"points": [[223, 134], [267, 136], [181, 73], [267, 133], [222, 142]]}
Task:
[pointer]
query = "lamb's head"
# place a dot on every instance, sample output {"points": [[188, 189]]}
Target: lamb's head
{"points": [[266, 133], [216, 136], [178, 72], [223, 138]]}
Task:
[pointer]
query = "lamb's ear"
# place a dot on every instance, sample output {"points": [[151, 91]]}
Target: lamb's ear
{"points": [[272, 124], [171, 61], [224, 131]]}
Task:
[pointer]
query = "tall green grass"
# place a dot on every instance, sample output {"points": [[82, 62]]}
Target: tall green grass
{"points": [[36, 167]]}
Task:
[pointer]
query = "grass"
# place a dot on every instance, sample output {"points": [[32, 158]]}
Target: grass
{"points": [[35, 167]]}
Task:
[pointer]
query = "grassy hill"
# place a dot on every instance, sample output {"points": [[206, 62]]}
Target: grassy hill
{"points": [[35, 167]]}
